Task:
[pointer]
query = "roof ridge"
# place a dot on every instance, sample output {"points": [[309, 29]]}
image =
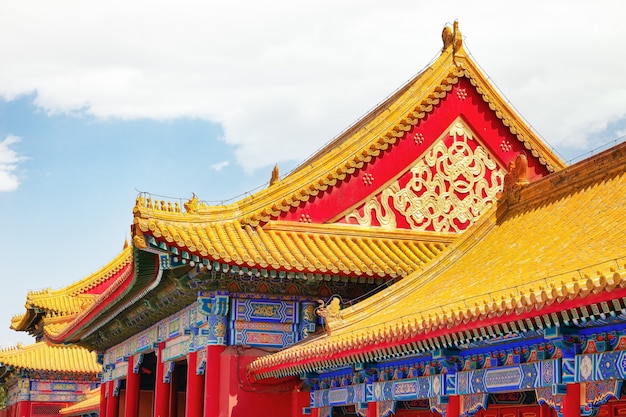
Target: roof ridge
{"points": [[90, 281], [374, 133]]}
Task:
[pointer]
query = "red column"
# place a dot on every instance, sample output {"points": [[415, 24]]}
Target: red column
{"points": [[131, 407], [161, 389], [453, 408], [545, 410], [371, 410], [315, 412], [195, 388], [212, 380], [174, 392], [113, 401], [571, 401], [103, 399], [24, 409], [299, 400]]}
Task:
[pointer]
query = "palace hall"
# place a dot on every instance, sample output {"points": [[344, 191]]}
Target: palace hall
{"points": [[437, 258]]}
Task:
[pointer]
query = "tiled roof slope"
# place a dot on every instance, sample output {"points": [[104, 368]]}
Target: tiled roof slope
{"points": [[91, 404], [57, 306], [558, 247], [42, 356], [306, 248]]}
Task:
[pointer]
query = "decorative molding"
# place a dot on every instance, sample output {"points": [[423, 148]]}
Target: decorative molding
{"points": [[505, 378]]}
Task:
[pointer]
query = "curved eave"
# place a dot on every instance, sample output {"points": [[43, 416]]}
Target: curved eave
{"points": [[557, 247], [376, 132], [25, 322], [82, 322], [91, 404], [71, 299], [292, 246], [130, 285]]}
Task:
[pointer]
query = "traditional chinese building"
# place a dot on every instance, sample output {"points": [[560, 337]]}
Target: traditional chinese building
{"points": [[44, 378], [41, 379], [523, 315], [428, 237]]}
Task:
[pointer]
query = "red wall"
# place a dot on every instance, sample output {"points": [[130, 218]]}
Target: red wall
{"points": [[240, 398]]}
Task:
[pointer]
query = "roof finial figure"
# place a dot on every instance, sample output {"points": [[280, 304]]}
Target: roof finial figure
{"points": [[452, 36], [191, 206], [275, 176], [447, 36], [330, 312], [516, 178]]}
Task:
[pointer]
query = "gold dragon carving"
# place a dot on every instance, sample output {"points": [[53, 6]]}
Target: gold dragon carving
{"points": [[447, 190]]}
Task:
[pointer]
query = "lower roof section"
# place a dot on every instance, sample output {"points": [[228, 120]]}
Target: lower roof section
{"points": [[552, 245], [47, 357]]}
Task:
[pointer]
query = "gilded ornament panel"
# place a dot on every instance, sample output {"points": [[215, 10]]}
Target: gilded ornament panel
{"points": [[445, 191]]}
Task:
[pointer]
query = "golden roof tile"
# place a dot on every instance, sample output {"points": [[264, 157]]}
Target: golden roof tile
{"points": [[558, 239], [42, 356], [91, 403], [304, 248]]}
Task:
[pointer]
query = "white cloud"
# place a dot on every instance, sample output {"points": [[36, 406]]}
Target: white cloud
{"points": [[8, 164], [285, 77], [220, 165]]}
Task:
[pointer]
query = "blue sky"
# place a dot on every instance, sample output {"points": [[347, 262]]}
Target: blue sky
{"points": [[100, 101]]}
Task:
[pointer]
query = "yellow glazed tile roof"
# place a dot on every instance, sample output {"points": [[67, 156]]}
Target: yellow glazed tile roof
{"points": [[90, 404], [303, 248], [347, 154], [42, 356], [60, 304], [563, 240]]}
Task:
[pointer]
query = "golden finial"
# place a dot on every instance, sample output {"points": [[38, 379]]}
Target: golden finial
{"points": [[330, 312], [452, 36], [275, 177], [447, 36], [191, 206]]}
